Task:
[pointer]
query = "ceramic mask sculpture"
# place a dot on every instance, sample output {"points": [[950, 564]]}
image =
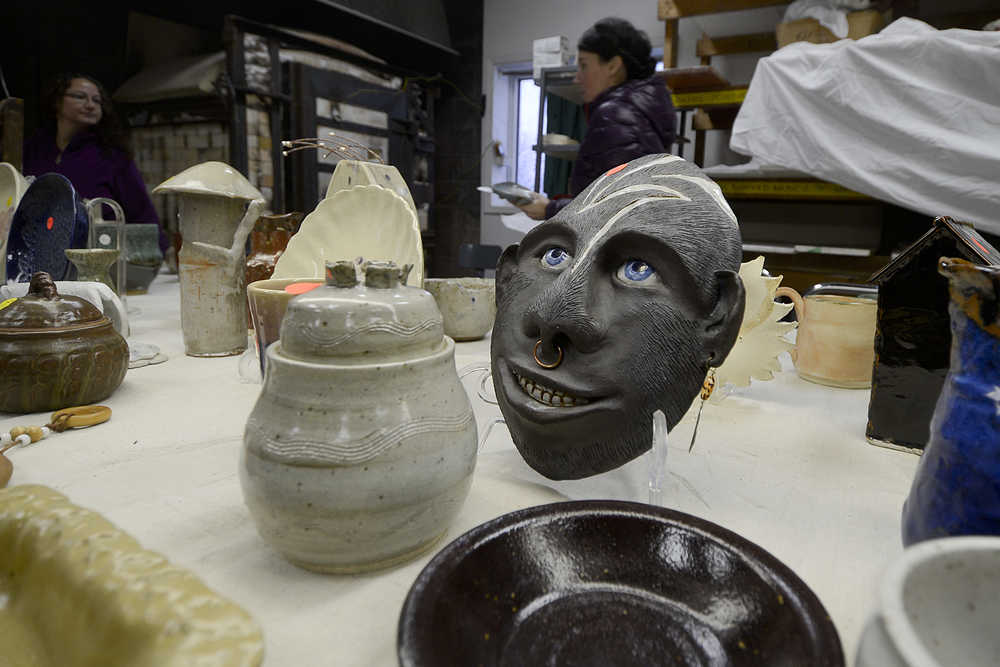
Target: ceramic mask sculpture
{"points": [[612, 309]]}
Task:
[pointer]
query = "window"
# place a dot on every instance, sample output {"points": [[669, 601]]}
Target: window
{"points": [[515, 126]]}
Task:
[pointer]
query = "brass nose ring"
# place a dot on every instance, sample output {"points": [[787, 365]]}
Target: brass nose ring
{"points": [[541, 363]]}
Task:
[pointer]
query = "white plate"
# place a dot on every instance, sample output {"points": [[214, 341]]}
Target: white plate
{"points": [[364, 222]]}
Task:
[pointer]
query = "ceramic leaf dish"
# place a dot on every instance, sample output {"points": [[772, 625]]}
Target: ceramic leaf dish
{"points": [[77, 592], [762, 336], [364, 222]]}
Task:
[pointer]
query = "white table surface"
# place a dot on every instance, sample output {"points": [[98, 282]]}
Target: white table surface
{"points": [[784, 463]]}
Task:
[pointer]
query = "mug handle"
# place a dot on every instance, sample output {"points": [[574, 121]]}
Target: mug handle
{"points": [[800, 306], [800, 311]]}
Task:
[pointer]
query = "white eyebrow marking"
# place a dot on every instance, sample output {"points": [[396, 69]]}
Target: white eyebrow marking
{"points": [[642, 187], [709, 186], [594, 194], [607, 227]]}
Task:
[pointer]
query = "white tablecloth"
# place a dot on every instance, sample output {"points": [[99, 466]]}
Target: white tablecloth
{"points": [[784, 463]]}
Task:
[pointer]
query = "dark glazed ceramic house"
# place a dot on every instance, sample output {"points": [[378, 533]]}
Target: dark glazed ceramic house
{"points": [[612, 309], [913, 333]]}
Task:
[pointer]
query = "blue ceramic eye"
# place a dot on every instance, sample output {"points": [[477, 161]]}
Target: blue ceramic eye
{"points": [[554, 256], [636, 271]]}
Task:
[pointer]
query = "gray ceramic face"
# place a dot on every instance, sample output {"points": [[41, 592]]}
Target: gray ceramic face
{"points": [[615, 308]]}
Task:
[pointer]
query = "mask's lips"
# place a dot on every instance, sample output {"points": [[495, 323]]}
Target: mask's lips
{"points": [[548, 395], [536, 402]]}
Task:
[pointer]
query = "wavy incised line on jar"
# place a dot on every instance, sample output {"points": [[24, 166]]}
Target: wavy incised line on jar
{"points": [[315, 335], [309, 452]]}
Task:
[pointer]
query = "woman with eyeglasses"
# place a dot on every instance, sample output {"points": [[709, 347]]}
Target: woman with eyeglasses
{"points": [[81, 138], [628, 107]]}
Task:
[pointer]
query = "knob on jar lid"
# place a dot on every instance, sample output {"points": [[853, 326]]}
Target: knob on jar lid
{"points": [[379, 319], [341, 274]]}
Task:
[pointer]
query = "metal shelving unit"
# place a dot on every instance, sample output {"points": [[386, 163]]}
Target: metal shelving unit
{"points": [[558, 81]]}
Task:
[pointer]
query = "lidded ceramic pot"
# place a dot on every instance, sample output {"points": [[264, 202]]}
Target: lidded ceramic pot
{"points": [[56, 351], [360, 449]]}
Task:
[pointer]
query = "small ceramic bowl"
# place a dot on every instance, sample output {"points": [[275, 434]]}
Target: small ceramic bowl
{"points": [[468, 305], [938, 606], [268, 300]]}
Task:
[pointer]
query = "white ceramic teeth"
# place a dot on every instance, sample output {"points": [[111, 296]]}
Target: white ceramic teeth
{"points": [[547, 395]]}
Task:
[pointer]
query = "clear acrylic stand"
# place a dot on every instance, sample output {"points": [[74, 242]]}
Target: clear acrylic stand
{"points": [[657, 458], [484, 394], [94, 213]]}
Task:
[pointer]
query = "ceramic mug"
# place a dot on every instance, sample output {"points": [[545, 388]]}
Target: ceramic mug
{"points": [[468, 305], [835, 342], [267, 300]]}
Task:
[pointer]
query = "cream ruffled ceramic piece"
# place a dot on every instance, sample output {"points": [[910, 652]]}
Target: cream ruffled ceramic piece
{"points": [[355, 172], [762, 336], [364, 222], [77, 592], [210, 178], [12, 187]]}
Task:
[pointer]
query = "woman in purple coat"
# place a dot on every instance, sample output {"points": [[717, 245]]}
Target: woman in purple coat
{"points": [[81, 138], [628, 107]]}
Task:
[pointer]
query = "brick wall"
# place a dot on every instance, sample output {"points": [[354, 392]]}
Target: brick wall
{"points": [[164, 150]]}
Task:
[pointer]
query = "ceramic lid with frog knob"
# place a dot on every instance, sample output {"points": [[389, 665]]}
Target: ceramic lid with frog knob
{"points": [[374, 318]]}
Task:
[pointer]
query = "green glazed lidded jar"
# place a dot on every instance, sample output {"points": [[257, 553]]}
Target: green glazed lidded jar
{"points": [[56, 351]]}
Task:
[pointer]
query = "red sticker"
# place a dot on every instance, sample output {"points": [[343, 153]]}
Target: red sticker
{"points": [[615, 170], [49, 223], [301, 288]]}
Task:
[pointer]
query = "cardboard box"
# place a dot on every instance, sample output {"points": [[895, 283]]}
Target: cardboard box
{"points": [[549, 44], [859, 24]]}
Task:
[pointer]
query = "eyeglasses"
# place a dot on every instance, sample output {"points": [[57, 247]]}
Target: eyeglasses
{"points": [[82, 97]]}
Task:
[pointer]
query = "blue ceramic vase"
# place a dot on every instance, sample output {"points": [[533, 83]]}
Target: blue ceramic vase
{"points": [[956, 490]]}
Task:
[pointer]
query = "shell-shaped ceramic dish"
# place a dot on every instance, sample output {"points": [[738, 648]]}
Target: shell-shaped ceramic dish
{"points": [[360, 223], [210, 178], [357, 172], [78, 591]]}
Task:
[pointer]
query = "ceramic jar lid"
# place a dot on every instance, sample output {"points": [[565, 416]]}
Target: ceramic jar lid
{"points": [[44, 308], [370, 320]]}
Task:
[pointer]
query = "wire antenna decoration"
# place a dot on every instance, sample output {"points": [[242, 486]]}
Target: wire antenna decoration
{"points": [[339, 145]]}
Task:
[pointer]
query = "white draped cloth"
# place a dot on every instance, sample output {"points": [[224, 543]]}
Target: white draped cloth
{"points": [[910, 116]]}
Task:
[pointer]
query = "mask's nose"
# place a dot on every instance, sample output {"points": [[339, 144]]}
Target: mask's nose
{"points": [[560, 322]]}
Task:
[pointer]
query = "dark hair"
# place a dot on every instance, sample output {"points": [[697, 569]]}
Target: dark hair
{"points": [[111, 132], [612, 37]]}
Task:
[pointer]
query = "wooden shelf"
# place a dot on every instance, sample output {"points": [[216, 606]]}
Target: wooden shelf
{"points": [[675, 9], [564, 151], [798, 189]]}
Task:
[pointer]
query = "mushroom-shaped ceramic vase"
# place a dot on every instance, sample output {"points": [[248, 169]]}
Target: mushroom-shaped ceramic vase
{"points": [[215, 221]]}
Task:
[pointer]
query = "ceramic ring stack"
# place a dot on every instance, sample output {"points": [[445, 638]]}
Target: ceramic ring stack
{"points": [[361, 447]]}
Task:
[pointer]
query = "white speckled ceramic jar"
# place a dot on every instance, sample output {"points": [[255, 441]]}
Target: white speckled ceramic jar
{"points": [[361, 447]]}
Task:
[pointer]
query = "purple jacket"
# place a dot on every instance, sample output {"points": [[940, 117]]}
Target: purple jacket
{"points": [[94, 172], [628, 121]]}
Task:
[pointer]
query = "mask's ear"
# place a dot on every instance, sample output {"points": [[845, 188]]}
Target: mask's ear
{"points": [[505, 269], [724, 321]]}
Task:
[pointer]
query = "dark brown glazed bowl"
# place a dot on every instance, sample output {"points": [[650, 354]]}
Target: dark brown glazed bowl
{"points": [[610, 583], [56, 352]]}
